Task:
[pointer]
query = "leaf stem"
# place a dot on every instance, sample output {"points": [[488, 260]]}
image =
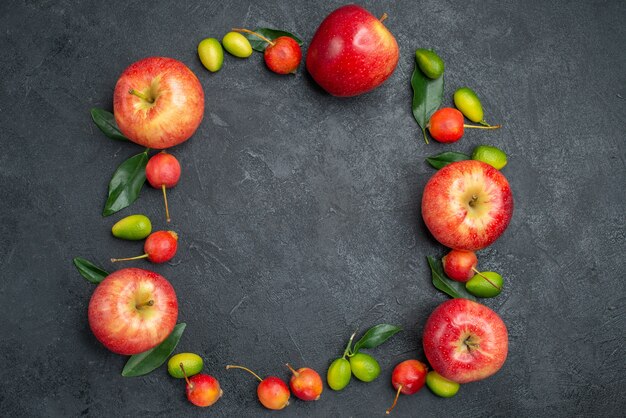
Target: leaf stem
{"points": [[485, 277], [115, 260], [425, 136], [482, 127], [258, 35], [230, 366], [141, 95], [395, 401], [349, 346]]}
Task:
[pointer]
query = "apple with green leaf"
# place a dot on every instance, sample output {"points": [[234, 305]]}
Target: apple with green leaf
{"points": [[133, 310]]}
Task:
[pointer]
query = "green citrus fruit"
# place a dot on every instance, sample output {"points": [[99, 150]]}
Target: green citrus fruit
{"points": [[133, 227], [441, 386], [237, 45], [430, 63], [487, 284], [493, 156], [339, 374], [191, 362], [211, 54], [364, 367], [469, 104]]}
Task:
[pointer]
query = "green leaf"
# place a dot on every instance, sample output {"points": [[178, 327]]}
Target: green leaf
{"points": [[126, 183], [271, 34], [375, 336], [444, 283], [144, 363], [427, 96], [89, 271], [441, 160], [106, 122]]}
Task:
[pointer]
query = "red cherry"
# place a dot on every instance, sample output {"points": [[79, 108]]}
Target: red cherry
{"points": [[163, 172], [446, 125], [306, 384], [283, 55], [160, 246], [203, 390], [408, 377], [272, 392], [460, 265]]}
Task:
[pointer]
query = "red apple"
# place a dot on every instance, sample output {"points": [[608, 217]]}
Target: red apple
{"points": [[352, 52], [467, 205], [133, 310], [465, 341], [158, 102]]}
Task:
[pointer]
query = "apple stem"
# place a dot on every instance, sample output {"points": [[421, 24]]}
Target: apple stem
{"points": [[141, 95], [258, 35], [167, 210], [395, 401], [115, 260], [185, 374], [383, 17], [349, 346], [482, 127], [485, 277], [295, 373], [473, 201], [148, 303], [230, 366]]}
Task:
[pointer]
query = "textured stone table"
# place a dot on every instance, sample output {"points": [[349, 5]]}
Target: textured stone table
{"points": [[299, 213]]}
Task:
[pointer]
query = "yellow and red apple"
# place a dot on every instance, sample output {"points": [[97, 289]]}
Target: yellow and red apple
{"points": [[133, 310], [352, 52], [467, 205], [465, 341], [158, 102]]}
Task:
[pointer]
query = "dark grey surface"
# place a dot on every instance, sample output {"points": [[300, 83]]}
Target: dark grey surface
{"points": [[299, 212]]}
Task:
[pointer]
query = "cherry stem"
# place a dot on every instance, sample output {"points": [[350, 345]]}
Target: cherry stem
{"points": [[258, 35], [485, 277], [141, 95], [167, 210], [482, 127], [184, 374], [349, 346], [115, 260], [383, 17], [395, 401], [295, 373], [148, 303], [230, 366]]}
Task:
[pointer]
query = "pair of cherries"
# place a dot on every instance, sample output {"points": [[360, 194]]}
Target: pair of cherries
{"points": [[162, 172]]}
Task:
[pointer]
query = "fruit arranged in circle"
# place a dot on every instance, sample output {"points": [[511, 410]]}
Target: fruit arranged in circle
{"points": [[163, 172], [465, 341], [237, 45], [485, 284], [132, 310], [158, 102], [467, 205], [211, 54], [430, 63], [408, 378], [133, 227], [364, 367], [352, 52], [189, 362], [441, 386], [273, 392], [459, 265], [339, 374], [305, 383], [160, 246], [493, 156]]}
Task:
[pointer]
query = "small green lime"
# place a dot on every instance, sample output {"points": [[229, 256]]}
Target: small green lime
{"points": [[441, 386], [133, 227], [493, 156], [486, 284], [339, 374], [364, 367], [469, 104], [211, 54], [430, 63], [191, 362], [237, 45]]}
